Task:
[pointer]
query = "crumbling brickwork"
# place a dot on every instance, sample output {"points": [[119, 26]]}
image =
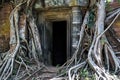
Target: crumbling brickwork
{"points": [[5, 27]]}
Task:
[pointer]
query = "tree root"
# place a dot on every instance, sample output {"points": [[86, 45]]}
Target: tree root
{"points": [[7, 64]]}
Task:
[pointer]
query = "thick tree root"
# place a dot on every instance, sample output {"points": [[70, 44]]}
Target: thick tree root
{"points": [[7, 64]]}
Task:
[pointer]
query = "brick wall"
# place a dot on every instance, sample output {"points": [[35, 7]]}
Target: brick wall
{"points": [[5, 27], [116, 27]]}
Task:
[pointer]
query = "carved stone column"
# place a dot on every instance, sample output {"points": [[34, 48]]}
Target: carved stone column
{"points": [[76, 23]]}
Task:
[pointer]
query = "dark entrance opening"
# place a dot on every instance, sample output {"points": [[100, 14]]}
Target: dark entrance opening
{"points": [[59, 55]]}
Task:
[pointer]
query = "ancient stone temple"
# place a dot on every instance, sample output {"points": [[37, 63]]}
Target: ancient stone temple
{"points": [[59, 23]]}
